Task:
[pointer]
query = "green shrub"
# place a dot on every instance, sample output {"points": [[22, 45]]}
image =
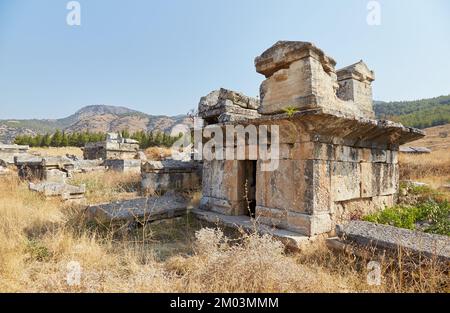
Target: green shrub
{"points": [[436, 214]]}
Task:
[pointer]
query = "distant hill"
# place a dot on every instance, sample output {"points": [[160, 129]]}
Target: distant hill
{"points": [[437, 138], [420, 113], [93, 118]]}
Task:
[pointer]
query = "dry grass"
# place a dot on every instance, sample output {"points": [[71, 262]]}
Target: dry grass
{"points": [[157, 153], [39, 239], [108, 186], [433, 168], [437, 138], [57, 151]]}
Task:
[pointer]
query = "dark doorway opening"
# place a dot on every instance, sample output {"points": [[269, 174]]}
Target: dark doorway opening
{"points": [[250, 186]]}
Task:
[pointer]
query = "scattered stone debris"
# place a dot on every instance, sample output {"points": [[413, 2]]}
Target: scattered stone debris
{"points": [[63, 190], [385, 237], [8, 152], [414, 150], [114, 147], [52, 174], [162, 176], [142, 209], [334, 159]]}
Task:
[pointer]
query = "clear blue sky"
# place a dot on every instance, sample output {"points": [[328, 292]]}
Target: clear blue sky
{"points": [[160, 57]]}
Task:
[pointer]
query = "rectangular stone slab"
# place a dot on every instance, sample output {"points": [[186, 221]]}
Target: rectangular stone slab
{"points": [[391, 238], [148, 209]]}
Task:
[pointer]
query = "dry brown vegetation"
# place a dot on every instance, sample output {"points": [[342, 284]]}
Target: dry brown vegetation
{"points": [[40, 238], [433, 168], [57, 151], [437, 138], [157, 153]]}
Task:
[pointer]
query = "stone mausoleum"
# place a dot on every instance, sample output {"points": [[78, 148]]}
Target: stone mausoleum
{"points": [[336, 161]]}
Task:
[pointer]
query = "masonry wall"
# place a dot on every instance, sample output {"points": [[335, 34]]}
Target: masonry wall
{"points": [[223, 187], [318, 185], [315, 186]]}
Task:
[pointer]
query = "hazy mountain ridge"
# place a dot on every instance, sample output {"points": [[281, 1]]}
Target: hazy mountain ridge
{"points": [[105, 118], [93, 118]]}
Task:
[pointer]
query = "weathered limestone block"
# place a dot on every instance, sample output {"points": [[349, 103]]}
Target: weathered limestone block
{"points": [[385, 237], [379, 179], [300, 76], [313, 151], [271, 217], [87, 166], [224, 206], [355, 85], [356, 208], [8, 152], [318, 181], [55, 175], [291, 196], [125, 166], [54, 189], [162, 176], [348, 154], [392, 156], [223, 105], [225, 180], [307, 224], [141, 209], [345, 181]]}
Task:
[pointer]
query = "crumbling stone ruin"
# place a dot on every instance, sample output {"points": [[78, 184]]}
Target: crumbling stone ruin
{"points": [[114, 147], [224, 105], [335, 160], [57, 189], [8, 152], [48, 175], [51, 169], [170, 175], [118, 154]]}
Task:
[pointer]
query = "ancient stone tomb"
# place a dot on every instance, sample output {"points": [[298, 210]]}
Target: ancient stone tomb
{"points": [[114, 147], [335, 160]]}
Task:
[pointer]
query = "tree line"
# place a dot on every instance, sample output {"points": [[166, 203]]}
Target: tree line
{"points": [[420, 113], [80, 139]]}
